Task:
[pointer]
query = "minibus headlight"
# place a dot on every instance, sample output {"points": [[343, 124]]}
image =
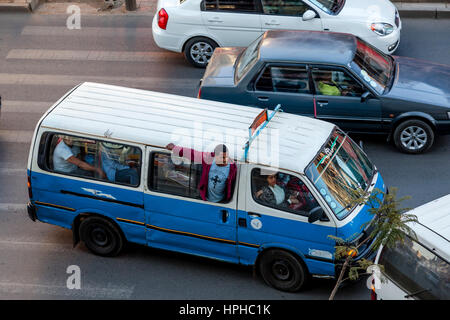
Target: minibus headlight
{"points": [[352, 252], [448, 114]]}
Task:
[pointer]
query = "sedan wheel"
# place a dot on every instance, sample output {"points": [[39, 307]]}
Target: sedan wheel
{"points": [[413, 136], [198, 51], [201, 52]]}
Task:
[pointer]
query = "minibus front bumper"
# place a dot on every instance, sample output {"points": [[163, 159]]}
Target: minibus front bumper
{"points": [[31, 209]]}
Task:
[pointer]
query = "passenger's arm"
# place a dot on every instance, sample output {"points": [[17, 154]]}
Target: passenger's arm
{"points": [[85, 166], [190, 154], [258, 193]]}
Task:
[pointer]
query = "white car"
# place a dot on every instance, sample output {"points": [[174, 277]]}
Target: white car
{"points": [[197, 27], [418, 269]]}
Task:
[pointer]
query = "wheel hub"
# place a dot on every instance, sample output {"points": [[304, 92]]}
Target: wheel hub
{"points": [[201, 52], [99, 236], [413, 138], [281, 270]]}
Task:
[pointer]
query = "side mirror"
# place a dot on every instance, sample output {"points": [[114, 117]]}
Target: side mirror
{"points": [[317, 214], [366, 96], [308, 15]]}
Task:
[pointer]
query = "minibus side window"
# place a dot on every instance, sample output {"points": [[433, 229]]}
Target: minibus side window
{"points": [[282, 191], [90, 158], [44, 148], [174, 175]]}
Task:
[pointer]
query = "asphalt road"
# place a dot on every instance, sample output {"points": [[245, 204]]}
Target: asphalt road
{"points": [[40, 60]]}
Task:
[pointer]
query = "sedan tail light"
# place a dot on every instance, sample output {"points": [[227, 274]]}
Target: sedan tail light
{"points": [[163, 17]]}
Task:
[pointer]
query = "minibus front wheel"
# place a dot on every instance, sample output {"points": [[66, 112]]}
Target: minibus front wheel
{"points": [[282, 270], [101, 236]]}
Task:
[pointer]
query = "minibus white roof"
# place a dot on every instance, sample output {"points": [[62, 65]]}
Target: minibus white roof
{"points": [[156, 119], [433, 229]]}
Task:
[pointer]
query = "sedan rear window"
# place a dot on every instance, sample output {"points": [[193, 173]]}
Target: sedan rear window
{"points": [[247, 59]]}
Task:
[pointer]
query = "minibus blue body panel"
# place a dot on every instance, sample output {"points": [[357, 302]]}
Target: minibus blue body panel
{"points": [[189, 226], [309, 241], [59, 199], [354, 228]]}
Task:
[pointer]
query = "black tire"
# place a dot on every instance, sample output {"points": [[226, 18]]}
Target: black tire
{"points": [[101, 236], [199, 50], [282, 270], [413, 136]]}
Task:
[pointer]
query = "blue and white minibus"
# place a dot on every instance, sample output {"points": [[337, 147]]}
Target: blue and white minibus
{"points": [[99, 165]]}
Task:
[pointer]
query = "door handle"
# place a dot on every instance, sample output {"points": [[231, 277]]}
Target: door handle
{"points": [[254, 215], [215, 20], [272, 24], [322, 103], [263, 98], [225, 215]]}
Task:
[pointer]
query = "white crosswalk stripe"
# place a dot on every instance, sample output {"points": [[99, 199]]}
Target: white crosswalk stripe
{"points": [[87, 32], [88, 55], [17, 136], [35, 289], [73, 80], [12, 171], [13, 207], [19, 106]]}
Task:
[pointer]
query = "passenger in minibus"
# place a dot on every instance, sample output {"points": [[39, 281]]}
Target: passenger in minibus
{"points": [[306, 201], [218, 171], [114, 169], [275, 195], [66, 160]]}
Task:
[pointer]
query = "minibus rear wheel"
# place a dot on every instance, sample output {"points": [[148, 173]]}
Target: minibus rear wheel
{"points": [[282, 270], [101, 236]]}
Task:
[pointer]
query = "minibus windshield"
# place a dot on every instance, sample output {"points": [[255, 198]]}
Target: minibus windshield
{"points": [[340, 168]]}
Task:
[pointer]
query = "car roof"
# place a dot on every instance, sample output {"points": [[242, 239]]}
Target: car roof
{"points": [[156, 119], [433, 227], [308, 46]]}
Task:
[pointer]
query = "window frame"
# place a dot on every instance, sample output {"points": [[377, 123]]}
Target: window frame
{"points": [[287, 210], [282, 65], [42, 159], [336, 68], [287, 15], [150, 175], [258, 8]]}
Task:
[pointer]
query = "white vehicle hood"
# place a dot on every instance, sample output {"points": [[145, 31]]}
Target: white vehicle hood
{"points": [[369, 11]]}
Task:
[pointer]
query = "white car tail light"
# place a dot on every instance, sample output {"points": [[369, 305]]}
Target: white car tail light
{"points": [[163, 17]]}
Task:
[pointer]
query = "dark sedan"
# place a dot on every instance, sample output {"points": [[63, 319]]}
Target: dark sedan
{"points": [[339, 78]]}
